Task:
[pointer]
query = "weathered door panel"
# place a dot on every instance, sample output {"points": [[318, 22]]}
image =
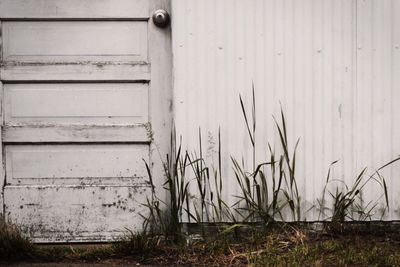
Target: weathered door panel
{"points": [[66, 103], [74, 212], [74, 41], [75, 9], [81, 109], [119, 164]]}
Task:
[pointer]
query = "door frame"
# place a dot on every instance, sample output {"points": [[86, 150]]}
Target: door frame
{"points": [[161, 111]]}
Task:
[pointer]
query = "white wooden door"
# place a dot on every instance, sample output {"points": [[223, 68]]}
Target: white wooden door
{"points": [[86, 96]]}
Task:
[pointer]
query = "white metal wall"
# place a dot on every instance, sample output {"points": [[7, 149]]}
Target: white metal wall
{"points": [[334, 65]]}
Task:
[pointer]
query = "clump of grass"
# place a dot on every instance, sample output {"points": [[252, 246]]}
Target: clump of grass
{"points": [[165, 217], [344, 201], [347, 201], [137, 244], [291, 191], [181, 169], [13, 245], [264, 193], [209, 186]]}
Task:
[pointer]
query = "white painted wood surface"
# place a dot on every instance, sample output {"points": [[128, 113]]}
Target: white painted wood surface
{"points": [[98, 71], [74, 9], [333, 65], [2, 169], [75, 213], [160, 95], [74, 103], [82, 112], [74, 41], [49, 163], [139, 133]]}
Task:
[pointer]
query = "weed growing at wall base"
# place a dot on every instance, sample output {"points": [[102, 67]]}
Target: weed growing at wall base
{"points": [[13, 245], [268, 192]]}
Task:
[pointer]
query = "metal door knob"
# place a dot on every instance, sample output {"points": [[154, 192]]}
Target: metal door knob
{"points": [[161, 18]]}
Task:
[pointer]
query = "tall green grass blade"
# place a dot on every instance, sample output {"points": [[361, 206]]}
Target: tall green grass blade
{"points": [[246, 120]]}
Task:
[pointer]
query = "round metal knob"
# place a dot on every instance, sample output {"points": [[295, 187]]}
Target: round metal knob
{"points": [[161, 18]]}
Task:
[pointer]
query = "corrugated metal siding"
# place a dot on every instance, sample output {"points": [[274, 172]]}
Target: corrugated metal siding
{"points": [[333, 65]]}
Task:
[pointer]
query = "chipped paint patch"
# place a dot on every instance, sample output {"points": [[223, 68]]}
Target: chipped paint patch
{"points": [[149, 130]]}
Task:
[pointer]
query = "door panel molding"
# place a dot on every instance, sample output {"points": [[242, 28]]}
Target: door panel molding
{"points": [[98, 72], [139, 133]]}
